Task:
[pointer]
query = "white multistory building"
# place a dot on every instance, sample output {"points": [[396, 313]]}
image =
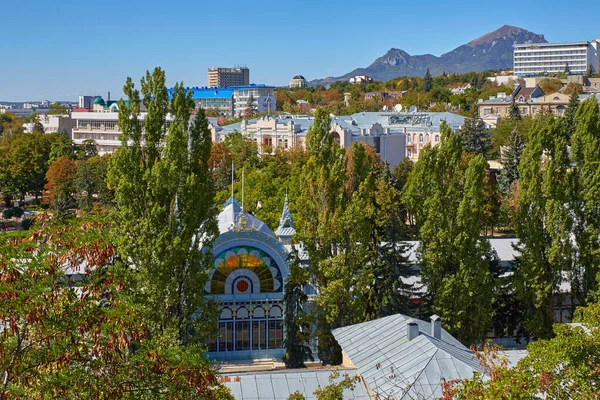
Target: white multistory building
{"points": [[542, 58]]}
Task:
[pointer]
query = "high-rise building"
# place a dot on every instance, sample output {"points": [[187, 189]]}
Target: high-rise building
{"points": [[541, 58], [224, 77]]}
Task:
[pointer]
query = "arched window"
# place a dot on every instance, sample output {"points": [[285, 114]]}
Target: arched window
{"points": [[437, 138], [421, 138]]}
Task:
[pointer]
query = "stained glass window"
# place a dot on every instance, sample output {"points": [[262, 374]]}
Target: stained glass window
{"points": [[249, 258]]}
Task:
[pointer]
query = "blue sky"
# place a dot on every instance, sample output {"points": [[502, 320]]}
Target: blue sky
{"points": [[59, 49]]}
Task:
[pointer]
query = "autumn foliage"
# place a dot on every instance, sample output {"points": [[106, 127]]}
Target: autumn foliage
{"points": [[63, 336]]}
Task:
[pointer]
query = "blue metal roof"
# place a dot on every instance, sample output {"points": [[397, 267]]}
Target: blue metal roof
{"points": [[220, 92]]}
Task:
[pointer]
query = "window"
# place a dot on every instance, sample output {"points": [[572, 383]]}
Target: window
{"points": [[377, 144], [409, 138], [242, 335], [275, 334], [225, 336], [259, 335], [437, 138], [409, 152], [421, 138]]}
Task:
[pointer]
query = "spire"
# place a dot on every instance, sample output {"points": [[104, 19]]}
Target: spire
{"points": [[286, 230]]}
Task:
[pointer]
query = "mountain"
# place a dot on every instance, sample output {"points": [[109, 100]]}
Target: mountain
{"points": [[493, 50]]}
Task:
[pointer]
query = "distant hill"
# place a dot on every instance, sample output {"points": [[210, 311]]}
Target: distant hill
{"points": [[493, 50]]}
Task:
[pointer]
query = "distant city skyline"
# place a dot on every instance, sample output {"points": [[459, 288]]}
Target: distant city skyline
{"points": [[60, 50]]}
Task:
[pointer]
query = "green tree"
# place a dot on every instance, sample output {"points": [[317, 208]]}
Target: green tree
{"points": [[543, 224], [63, 146], [427, 81], [585, 151], [295, 319], [24, 163], [564, 367], [449, 212], [510, 158], [590, 71], [64, 337], [513, 111], [164, 211], [570, 115], [476, 139], [90, 182], [57, 108]]}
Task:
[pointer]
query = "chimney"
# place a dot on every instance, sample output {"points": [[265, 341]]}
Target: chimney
{"points": [[108, 96], [412, 329], [436, 326]]}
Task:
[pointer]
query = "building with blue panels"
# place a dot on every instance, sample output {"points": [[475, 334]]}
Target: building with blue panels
{"points": [[233, 101]]}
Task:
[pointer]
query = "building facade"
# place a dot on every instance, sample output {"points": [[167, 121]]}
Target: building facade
{"points": [[298, 81], [246, 280], [221, 77], [542, 58], [394, 136]]}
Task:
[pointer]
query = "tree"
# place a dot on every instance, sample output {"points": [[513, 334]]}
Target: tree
{"points": [[64, 337], [62, 146], [585, 152], [564, 367], [61, 180], [164, 212], [57, 108], [513, 111], [543, 224], [590, 71], [90, 182], [510, 158], [476, 139], [570, 115], [427, 81], [550, 85], [295, 318], [24, 163], [448, 209], [60, 189]]}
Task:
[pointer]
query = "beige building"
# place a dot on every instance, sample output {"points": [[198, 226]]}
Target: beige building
{"points": [[298, 81], [224, 77], [393, 135]]}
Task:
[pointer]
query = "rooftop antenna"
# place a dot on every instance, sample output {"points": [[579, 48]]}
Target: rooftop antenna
{"points": [[232, 175], [243, 169]]}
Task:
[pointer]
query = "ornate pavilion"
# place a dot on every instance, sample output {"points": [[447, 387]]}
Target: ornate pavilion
{"points": [[247, 277]]}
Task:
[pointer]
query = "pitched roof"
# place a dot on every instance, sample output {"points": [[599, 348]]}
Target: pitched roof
{"points": [[396, 367], [275, 385]]}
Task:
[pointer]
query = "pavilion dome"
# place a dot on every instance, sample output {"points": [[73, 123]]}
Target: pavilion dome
{"points": [[234, 218], [99, 101]]}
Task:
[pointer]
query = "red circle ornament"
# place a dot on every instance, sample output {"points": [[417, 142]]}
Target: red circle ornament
{"points": [[242, 286]]}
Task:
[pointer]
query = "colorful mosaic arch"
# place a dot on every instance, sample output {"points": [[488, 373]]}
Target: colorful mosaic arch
{"points": [[247, 258]]}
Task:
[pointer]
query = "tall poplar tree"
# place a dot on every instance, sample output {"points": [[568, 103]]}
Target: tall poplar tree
{"points": [[349, 222], [585, 151], [543, 224], [445, 192], [164, 207]]}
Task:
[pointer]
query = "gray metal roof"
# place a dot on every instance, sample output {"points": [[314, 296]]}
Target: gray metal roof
{"points": [[398, 368], [278, 385]]}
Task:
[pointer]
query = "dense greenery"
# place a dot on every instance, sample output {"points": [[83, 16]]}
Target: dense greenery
{"points": [[164, 208], [64, 337], [449, 211]]}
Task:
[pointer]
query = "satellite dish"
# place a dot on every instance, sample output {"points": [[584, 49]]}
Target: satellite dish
{"points": [[413, 109], [398, 108]]}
